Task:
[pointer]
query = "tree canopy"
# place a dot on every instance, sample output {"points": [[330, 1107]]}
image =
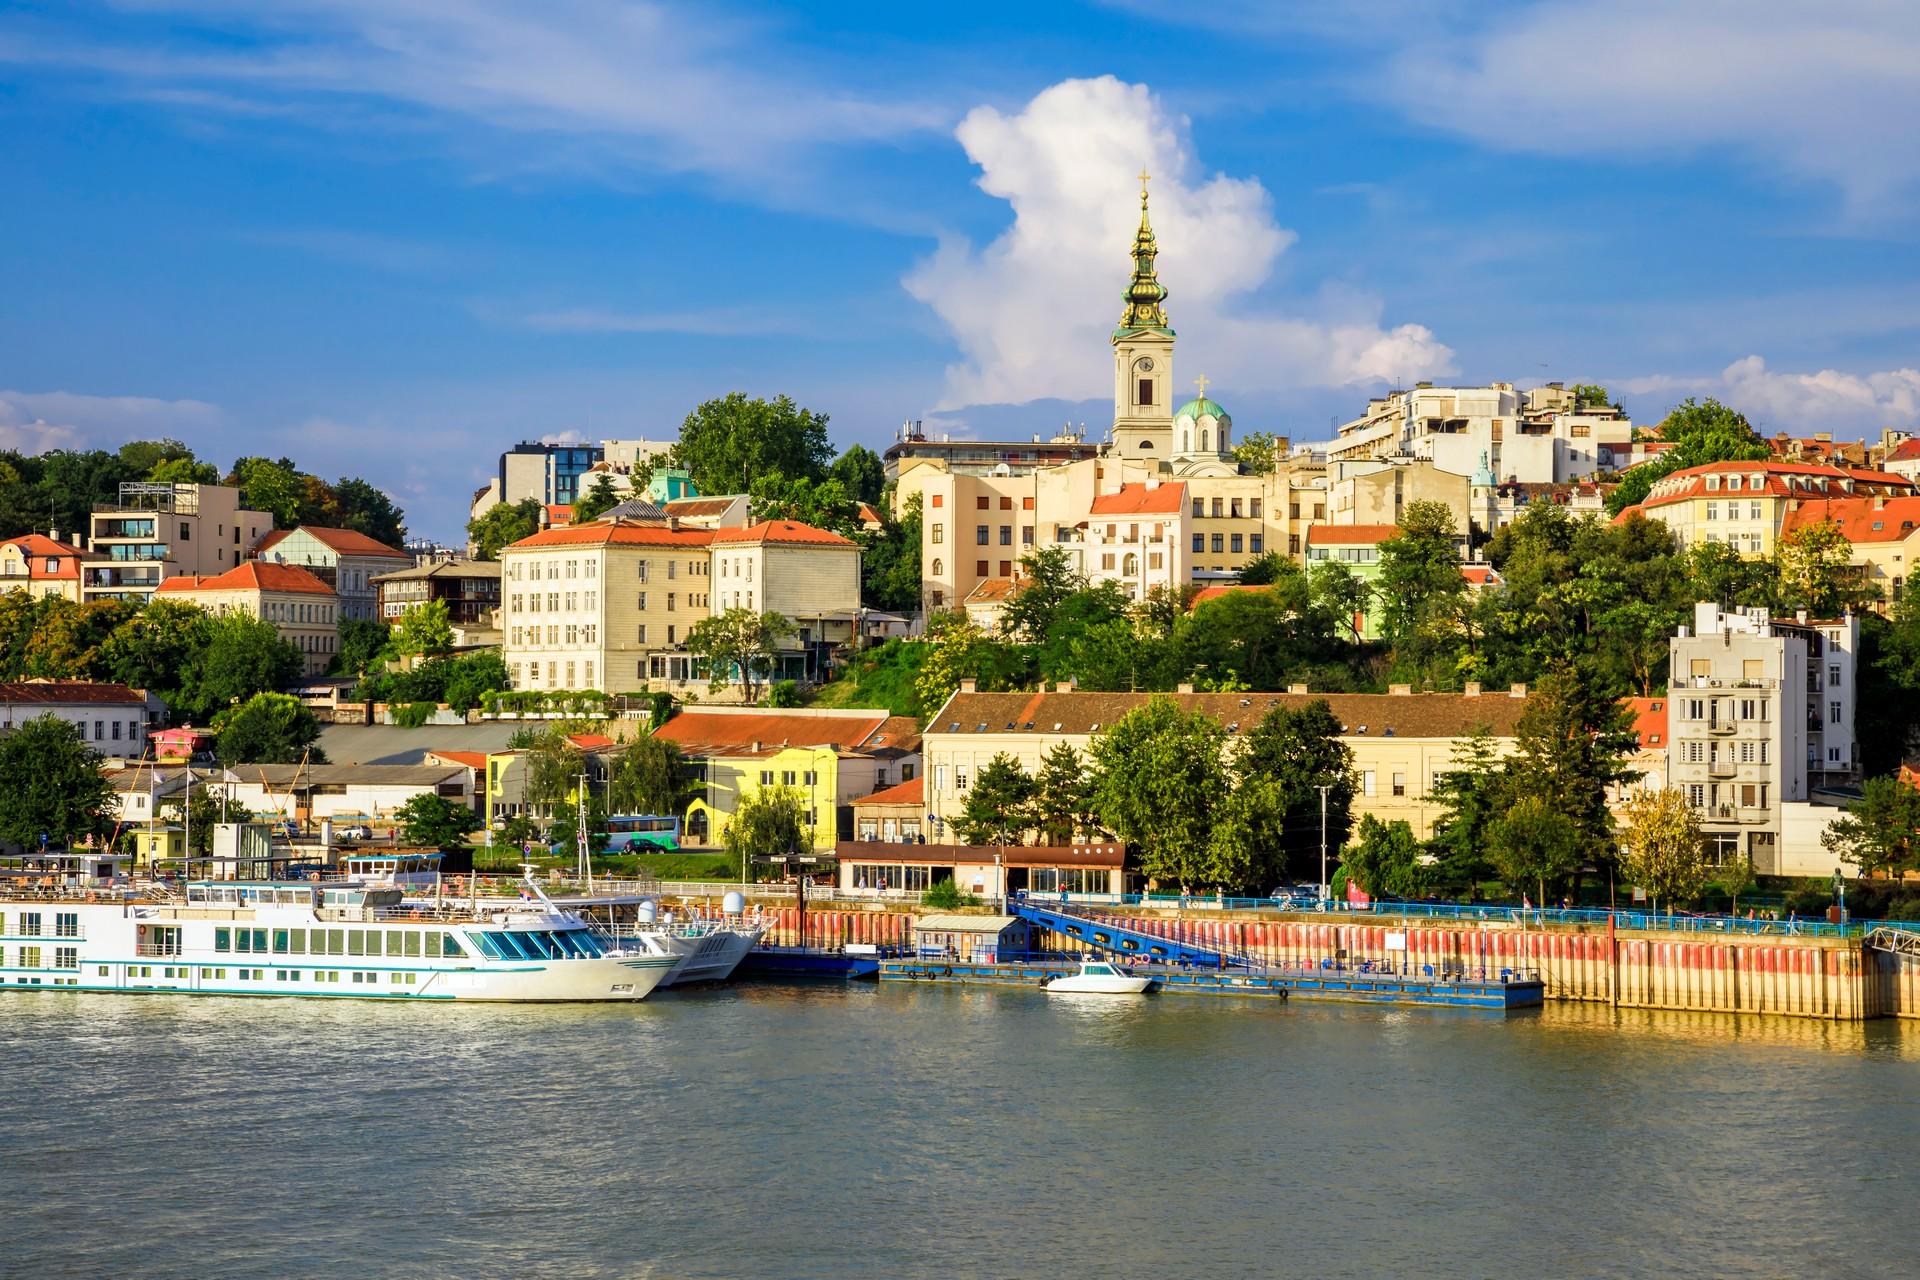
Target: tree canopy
{"points": [[727, 444], [503, 525], [54, 785], [268, 728]]}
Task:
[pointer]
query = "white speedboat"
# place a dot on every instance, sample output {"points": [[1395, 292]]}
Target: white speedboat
{"points": [[1099, 978]]}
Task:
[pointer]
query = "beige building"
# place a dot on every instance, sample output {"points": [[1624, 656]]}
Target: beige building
{"points": [[160, 531], [1401, 741], [592, 606], [1379, 492], [345, 560], [41, 566], [1884, 533], [303, 609]]}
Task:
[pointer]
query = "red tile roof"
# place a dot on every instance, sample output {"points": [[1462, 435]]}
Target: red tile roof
{"points": [[601, 533], [991, 590], [912, 791], [1905, 451], [344, 542], [1350, 535], [56, 692], [1480, 575], [1860, 519], [1650, 722], [722, 733], [1139, 500], [788, 532], [1781, 479], [1205, 594], [38, 548], [254, 575], [591, 741], [471, 759]]}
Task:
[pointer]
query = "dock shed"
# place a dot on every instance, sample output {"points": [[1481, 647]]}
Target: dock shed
{"points": [[986, 939]]}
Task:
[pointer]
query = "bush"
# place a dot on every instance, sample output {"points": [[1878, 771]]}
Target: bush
{"points": [[946, 895], [784, 693], [414, 714]]}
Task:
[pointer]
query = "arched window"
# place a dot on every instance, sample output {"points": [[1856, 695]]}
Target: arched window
{"points": [[1203, 439], [938, 568], [1183, 441], [1146, 444], [1131, 565]]}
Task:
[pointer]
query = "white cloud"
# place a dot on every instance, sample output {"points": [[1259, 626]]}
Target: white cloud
{"points": [[1032, 310], [1828, 400], [35, 421], [1817, 91], [683, 87]]}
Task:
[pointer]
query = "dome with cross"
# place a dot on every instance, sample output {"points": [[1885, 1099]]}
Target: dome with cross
{"points": [[1202, 426]]}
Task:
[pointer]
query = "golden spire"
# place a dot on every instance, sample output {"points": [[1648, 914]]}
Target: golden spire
{"points": [[1145, 293]]}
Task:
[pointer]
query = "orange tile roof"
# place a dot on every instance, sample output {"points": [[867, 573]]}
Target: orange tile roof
{"points": [[1480, 575], [1205, 594], [254, 575], [1905, 451], [346, 542], [38, 547], [1139, 500], [601, 533], [912, 791], [1649, 722], [1690, 483], [591, 741], [270, 540], [789, 532], [471, 759], [559, 515], [1350, 535], [1860, 519], [991, 590], [64, 691], [719, 733]]}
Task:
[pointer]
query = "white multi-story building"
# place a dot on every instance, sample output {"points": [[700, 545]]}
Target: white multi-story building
{"points": [[158, 531], [1534, 437], [345, 560], [111, 717], [1760, 713]]}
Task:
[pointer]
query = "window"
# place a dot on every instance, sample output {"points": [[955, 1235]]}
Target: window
{"points": [[982, 503], [1256, 544], [939, 500], [1219, 543], [1218, 508], [981, 535], [1199, 508], [1713, 511], [1026, 535], [1366, 782], [979, 568], [1006, 535], [939, 534], [1833, 713], [1696, 794], [939, 567], [1233, 541], [1400, 784], [1006, 568], [1143, 393], [1753, 511], [1833, 674]]}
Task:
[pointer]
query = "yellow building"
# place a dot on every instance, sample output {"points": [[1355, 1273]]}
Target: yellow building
{"points": [[303, 609], [1884, 533], [828, 757], [40, 566], [1401, 741], [1745, 505]]}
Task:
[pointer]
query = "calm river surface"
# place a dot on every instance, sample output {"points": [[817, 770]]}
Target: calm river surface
{"points": [[860, 1131]]}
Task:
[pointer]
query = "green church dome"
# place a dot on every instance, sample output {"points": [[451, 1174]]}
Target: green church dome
{"points": [[1200, 408]]}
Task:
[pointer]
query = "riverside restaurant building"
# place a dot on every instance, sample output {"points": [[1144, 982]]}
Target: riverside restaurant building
{"points": [[986, 871]]}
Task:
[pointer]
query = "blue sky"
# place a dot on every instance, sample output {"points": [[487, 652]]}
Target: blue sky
{"points": [[390, 237]]}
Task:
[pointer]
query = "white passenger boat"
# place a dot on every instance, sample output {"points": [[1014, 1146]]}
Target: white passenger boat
{"points": [[1099, 978], [305, 938]]}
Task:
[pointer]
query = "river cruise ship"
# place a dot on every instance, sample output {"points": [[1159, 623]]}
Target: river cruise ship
{"points": [[311, 938]]}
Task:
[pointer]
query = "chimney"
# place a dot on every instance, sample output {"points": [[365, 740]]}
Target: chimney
{"points": [[969, 686], [1296, 688], [1065, 686], [1518, 691], [756, 746], [1800, 616], [1183, 688], [1471, 688], [1400, 690]]}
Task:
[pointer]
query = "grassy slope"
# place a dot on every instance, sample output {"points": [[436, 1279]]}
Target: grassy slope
{"points": [[881, 677]]}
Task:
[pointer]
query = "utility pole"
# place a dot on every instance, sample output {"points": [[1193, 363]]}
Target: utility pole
{"points": [[1323, 846], [580, 836]]}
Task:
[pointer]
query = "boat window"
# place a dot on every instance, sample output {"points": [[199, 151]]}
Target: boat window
{"points": [[541, 944], [396, 941], [356, 942], [433, 943], [1101, 970], [223, 939], [511, 948], [413, 942], [280, 941], [449, 945]]}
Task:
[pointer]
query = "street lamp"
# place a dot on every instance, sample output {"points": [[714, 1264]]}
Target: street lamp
{"points": [[1323, 846]]}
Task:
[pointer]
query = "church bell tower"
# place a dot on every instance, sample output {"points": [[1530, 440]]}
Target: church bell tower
{"points": [[1143, 357]]}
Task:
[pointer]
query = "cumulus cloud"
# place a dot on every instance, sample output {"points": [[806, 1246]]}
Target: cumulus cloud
{"points": [[1032, 310], [35, 421], [1775, 400], [1818, 91]]}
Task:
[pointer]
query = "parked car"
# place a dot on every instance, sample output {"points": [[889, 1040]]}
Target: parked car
{"points": [[356, 833]]}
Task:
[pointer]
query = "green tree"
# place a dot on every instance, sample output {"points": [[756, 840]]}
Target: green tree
{"points": [[1880, 832], [1533, 843], [141, 458], [738, 645], [1258, 453], [1298, 751], [274, 487], [1062, 805], [1342, 595], [1265, 568], [1587, 395], [503, 525], [268, 728], [1814, 573], [434, 822], [769, 824], [953, 649], [243, 656], [597, 500], [207, 812], [1158, 776], [362, 508], [1421, 591], [469, 678], [54, 786], [363, 644], [861, 472], [1662, 849], [1572, 744], [184, 471], [728, 443], [890, 560], [1244, 846], [1386, 860], [554, 766], [1700, 433], [648, 776], [1473, 793], [996, 808], [155, 648], [422, 629], [1048, 581], [824, 504]]}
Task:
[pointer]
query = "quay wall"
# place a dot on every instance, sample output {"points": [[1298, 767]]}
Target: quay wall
{"points": [[1831, 978]]}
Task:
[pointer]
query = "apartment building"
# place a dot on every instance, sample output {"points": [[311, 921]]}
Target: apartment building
{"points": [[1535, 437], [912, 447], [1760, 714], [469, 588], [1745, 505], [345, 560], [1135, 538], [302, 608], [591, 606], [111, 717], [807, 575], [1378, 491], [1884, 534], [41, 565], [1401, 741], [159, 531]]}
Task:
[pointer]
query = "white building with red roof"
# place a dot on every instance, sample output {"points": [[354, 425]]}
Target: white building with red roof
{"points": [[40, 566], [1745, 505], [1135, 537], [111, 717], [346, 560], [302, 608]]}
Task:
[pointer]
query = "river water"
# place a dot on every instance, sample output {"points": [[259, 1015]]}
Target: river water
{"points": [[897, 1132]]}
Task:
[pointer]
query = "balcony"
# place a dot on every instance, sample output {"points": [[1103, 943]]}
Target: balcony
{"points": [[1722, 727], [131, 551], [1720, 768]]}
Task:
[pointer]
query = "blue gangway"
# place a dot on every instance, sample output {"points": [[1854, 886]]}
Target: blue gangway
{"points": [[1083, 926]]}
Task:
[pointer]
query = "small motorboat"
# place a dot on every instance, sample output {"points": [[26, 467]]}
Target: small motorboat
{"points": [[1098, 978]]}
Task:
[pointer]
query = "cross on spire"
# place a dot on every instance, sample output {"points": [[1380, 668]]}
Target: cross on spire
{"points": [[1201, 382], [1143, 184]]}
